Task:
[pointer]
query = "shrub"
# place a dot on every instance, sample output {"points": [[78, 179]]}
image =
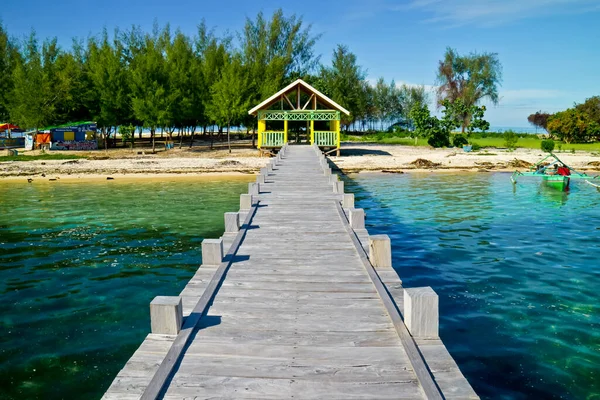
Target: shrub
{"points": [[459, 141], [475, 146], [547, 146], [510, 139], [439, 138]]}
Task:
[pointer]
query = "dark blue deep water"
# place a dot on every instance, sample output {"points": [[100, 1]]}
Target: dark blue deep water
{"points": [[517, 272]]}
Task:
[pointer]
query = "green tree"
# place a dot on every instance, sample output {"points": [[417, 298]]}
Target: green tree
{"points": [[109, 79], [409, 97], [229, 95], [471, 78], [33, 98], [591, 107], [72, 81], [9, 58], [150, 95], [573, 125], [436, 131], [345, 82], [212, 53], [276, 51]]}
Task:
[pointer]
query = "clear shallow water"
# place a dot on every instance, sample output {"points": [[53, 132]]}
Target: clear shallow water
{"points": [[79, 264], [518, 275]]}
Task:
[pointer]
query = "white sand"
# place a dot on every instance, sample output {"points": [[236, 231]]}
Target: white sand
{"points": [[355, 158]]}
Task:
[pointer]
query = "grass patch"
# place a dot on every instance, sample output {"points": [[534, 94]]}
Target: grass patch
{"points": [[41, 157], [532, 142]]}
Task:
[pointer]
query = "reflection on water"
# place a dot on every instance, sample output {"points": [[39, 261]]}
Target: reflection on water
{"points": [[79, 264], [517, 273]]}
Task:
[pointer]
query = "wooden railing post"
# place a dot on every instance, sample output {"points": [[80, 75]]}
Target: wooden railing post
{"points": [[421, 312], [380, 251], [348, 200], [232, 222], [245, 201], [166, 315], [253, 188], [357, 218], [212, 251]]}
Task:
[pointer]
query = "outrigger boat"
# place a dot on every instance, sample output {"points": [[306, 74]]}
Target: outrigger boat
{"points": [[555, 174]]}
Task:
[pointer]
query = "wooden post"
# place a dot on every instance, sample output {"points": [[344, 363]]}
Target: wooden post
{"points": [[380, 251], [269, 167], [264, 171], [260, 179], [212, 251], [245, 201], [421, 312], [333, 178], [348, 201], [232, 222], [327, 171], [338, 187], [253, 188], [357, 218], [166, 315]]}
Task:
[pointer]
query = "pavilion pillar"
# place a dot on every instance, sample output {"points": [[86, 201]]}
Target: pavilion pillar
{"points": [[262, 124], [338, 136], [285, 131], [312, 131]]}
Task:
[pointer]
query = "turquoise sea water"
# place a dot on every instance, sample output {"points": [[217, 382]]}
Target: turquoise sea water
{"points": [[517, 272], [79, 265]]}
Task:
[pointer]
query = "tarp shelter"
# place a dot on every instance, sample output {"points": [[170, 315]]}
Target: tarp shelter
{"points": [[7, 140], [7, 126], [319, 113]]}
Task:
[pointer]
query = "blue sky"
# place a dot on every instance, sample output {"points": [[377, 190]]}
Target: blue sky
{"points": [[549, 49]]}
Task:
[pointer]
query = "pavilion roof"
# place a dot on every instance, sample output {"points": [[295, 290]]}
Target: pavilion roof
{"points": [[302, 86]]}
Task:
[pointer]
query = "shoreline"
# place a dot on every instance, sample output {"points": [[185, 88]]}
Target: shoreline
{"points": [[355, 159]]}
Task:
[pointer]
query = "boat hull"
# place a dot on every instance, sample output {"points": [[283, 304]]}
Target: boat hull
{"points": [[558, 182]]}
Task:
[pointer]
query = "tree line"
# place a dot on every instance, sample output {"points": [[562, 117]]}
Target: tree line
{"points": [[164, 80], [580, 123]]}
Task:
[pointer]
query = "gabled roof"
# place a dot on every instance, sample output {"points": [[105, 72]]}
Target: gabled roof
{"points": [[308, 88]]}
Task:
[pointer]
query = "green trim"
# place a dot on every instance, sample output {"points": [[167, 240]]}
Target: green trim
{"points": [[326, 138], [299, 115], [272, 138]]}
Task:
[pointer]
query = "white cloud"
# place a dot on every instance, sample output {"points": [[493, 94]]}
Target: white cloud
{"points": [[495, 12]]}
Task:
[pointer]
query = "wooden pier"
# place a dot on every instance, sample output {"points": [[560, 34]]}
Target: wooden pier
{"points": [[296, 300]]}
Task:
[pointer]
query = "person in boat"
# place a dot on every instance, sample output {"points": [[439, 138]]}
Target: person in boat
{"points": [[551, 170], [563, 170]]}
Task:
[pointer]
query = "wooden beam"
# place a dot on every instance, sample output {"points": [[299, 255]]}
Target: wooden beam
{"points": [[289, 102], [298, 96], [311, 97]]}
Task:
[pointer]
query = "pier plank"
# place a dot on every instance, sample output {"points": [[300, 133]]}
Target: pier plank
{"points": [[294, 314]]}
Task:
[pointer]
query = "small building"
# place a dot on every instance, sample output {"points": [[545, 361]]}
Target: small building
{"points": [[71, 136], [298, 113]]}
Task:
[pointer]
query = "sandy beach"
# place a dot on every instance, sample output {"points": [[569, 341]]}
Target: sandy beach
{"points": [[355, 158]]}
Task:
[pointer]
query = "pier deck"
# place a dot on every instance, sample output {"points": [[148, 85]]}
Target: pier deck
{"points": [[300, 311]]}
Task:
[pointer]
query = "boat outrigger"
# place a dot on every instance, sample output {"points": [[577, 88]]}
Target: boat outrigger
{"points": [[556, 174]]}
